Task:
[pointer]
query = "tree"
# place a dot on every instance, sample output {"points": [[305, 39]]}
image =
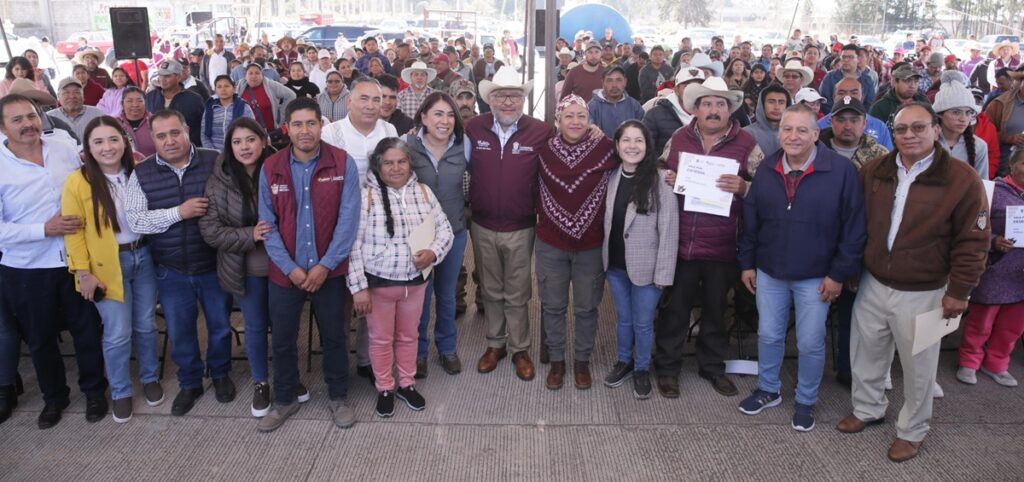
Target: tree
{"points": [[690, 13]]}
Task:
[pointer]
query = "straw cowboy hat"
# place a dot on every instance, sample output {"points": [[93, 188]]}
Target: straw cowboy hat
{"points": [[714, 87], [81, 55], [505, 78], [796, 65], [28, 89], [286, 38], [1014, 47], [418, 66]]}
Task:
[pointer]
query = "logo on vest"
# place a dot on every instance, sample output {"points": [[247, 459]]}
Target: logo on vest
{"points": [[330, 179], [483, 145], [518, 148], [276, 188]]}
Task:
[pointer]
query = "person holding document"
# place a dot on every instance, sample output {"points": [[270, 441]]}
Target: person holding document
{"points": [[996, 318], [803, 234], [707, 242], [932, 260], [390, 264]]}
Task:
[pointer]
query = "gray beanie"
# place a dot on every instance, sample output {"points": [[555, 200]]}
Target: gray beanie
{"points": [[953, 93]]}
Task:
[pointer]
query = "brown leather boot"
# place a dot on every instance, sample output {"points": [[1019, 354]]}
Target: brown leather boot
{"points": [[556, 375], [581, 370]]}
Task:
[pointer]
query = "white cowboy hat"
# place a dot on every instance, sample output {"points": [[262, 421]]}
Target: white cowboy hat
{"points": [[715, 87], [566, 51], [701, 60], [505, 78], [1014, 47], [798, 66], [418, 65], [80, 56]]}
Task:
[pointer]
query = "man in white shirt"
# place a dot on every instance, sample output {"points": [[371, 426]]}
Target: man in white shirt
{"points": [[318, 75], [38, 292], [360, 131], [217, 62]]}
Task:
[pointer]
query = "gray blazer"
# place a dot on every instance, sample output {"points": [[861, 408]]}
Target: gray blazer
{"points": [[652, 240]]}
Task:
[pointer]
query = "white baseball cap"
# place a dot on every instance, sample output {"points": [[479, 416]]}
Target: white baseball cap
{"points": [[808, 94]]}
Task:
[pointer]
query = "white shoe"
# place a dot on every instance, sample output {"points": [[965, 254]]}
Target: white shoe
{"points": [[937, 391], [888, 380], [967, 375], [1003, 378]]}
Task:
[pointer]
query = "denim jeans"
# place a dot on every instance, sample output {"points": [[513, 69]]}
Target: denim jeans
{"points": [[774, 298], [255, 310], [133, 319], [180, 295], [442, 283], [328, 306], [635, 306], [10, 345]]}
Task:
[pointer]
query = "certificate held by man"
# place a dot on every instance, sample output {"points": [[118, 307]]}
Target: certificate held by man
{"points": [[697, 179]]}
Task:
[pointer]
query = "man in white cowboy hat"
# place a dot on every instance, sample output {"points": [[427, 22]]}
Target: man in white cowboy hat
{"points": [[794, 75], [419, 77], [565, 58], [585, 78], [505, 146], [323, 67], [1006, 55], [848, 59], [967, 66], [707, 243], [667, 114], [91, 58]]}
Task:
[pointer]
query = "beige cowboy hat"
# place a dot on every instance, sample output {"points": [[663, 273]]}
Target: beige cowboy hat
{"points": [[418, 66], [286, 38], [28, 89], [505, 78], [714, 87], [1014, 47], [82, 54], [796, 65]]}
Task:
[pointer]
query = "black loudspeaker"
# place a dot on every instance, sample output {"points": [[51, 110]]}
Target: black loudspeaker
{"points": [[539, 19], [130, 28]]}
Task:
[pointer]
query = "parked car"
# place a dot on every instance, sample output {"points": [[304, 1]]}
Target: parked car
{"points": [[100, 40], [324, 36]]}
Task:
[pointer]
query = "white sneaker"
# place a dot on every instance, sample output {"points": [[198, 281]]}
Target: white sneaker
{"points": [[888, 379], [967, 375], [1003, 378], [937, 391]]}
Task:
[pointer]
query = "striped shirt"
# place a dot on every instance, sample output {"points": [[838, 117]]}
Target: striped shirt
{"points": [[334, 110], [143, 220], [221, 120]]}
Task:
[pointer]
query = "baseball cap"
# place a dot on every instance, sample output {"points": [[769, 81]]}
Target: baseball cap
{"points": [[688, 74], [614, 68], [935, 59], [592, 45], [950, 58], [169, 67], [462, 86], [904, 72], [323, 54], [68, 81], [198, 52], [848, 103], [808, 94]]}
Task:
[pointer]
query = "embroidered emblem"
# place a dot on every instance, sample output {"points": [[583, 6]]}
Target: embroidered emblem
{"points": [[982, 220], [276, 188]]}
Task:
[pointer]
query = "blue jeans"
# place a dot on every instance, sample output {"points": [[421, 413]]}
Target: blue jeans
{"points": [[443, 281], [180, 295], [774, 298], [10, 346], [255, 310], [133, 319], [634, 307]]}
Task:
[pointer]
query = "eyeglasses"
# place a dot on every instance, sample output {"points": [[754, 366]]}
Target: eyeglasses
{"points": [[915, 128], [513, 98], [961, 113]]}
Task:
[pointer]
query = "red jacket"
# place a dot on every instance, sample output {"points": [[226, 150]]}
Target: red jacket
{"points": [[706, 236], [326, 198], [503, 181], [986, 130]]}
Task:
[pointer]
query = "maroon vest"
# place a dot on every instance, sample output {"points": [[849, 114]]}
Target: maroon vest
{"points": [[328, 181]]}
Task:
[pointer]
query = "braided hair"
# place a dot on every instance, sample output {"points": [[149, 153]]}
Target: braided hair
{"points": [[969, 143], [375, 161]]}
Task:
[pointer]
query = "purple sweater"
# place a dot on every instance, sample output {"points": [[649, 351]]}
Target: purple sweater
{"points": [[1003, 281]]}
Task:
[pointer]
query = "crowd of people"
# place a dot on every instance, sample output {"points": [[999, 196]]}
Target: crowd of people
{"points": [[269, 175]]}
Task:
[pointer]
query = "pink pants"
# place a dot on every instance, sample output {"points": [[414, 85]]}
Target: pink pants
{"points": [[999, 325], [393, 326]]}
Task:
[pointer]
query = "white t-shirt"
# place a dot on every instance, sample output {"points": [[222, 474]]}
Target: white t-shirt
{"points": [[218, 66]]}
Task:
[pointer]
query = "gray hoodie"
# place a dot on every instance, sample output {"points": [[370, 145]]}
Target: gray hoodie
{"points": [[767, 136]]}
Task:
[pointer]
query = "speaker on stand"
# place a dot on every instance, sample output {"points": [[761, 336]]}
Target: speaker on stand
{"points": [[130, 29]]}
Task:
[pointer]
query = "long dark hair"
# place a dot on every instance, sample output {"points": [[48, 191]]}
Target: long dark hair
{"points": [[375, 160], [645, 181], [244, 183], [429, 102], [97, 180], [128, 78], [30, 73]]}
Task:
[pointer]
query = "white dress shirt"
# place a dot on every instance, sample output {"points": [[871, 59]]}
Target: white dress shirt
{"points": [[319, 77], [29, 197], [905, 178], [218, 65], [343, 135]]}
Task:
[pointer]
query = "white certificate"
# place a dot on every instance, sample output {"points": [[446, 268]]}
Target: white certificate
{"points": [[696, 178], [930, 327], [1015, 225]]}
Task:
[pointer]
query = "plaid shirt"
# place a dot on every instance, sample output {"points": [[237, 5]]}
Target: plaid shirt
{"points": [[409, 101], [384, 256]]}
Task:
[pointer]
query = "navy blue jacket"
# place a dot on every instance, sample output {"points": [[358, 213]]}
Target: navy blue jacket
{"points": [[822, 233], [189, 103]]}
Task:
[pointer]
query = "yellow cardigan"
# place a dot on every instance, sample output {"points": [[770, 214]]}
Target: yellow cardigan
{"points": [[87, 249]]}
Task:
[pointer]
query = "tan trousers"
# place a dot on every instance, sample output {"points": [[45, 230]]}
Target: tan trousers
{"points": [[882, 317], [504, 261]]}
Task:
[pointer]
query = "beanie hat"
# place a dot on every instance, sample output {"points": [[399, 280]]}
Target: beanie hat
{"points": [[953, 93]]}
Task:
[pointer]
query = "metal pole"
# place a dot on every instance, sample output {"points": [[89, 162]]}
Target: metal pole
{"points": [[550, 29], [796, 8], [7, 45], [528, 51]]}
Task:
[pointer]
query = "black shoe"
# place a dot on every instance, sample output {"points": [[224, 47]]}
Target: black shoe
{"points": [[722, 384], [8, 402], [421, 368], [96, 409], [668, 385], [224, 389], [412, 398], [260, 399], [844, 379], [385, 404], [185, 400], [51, 413], [641, 385], [620, 373], [366, 371], [451, 364]]}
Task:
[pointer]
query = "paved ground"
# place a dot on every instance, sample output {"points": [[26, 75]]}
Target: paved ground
{"points": [[487, 427]]}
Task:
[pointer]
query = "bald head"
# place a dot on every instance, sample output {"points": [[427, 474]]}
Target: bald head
{"points": [[848, 86]]}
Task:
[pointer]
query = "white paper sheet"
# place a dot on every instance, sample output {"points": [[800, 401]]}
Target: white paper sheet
{"points": [[930, 327], [696, 178], [1015, 225], [422, 237]]}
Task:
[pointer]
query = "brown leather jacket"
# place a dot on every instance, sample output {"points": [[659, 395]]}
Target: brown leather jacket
{"points": [[999, 112]]}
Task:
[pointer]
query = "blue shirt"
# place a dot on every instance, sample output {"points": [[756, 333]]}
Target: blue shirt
{"points": [[828, 87], [875, 128], [305, 237]]}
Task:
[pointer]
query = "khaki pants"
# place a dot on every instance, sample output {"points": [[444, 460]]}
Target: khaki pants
{"points": [[504, 260], [882, 317]]}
